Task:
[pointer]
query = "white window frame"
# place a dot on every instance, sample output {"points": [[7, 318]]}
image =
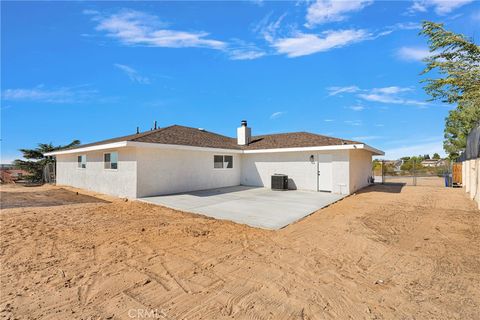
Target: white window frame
{"points": [[82, 165], [103, 160], [224, 163]]}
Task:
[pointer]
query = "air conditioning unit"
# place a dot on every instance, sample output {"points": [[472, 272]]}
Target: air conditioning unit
{"points": [[279, 182]]}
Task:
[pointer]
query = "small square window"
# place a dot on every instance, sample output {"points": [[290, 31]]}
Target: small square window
{"points": [[110, 160]]}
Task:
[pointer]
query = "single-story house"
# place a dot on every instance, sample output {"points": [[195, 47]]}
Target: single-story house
{"points": [[178, 159], [433, 163]]}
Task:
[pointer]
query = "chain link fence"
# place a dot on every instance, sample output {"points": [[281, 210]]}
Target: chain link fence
{"points": [[430, 172]]}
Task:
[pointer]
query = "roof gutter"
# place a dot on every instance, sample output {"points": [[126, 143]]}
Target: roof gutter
{"points": [[320, 148]]}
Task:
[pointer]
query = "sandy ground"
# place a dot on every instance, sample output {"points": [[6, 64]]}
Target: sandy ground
{"points": [[388, 252]]}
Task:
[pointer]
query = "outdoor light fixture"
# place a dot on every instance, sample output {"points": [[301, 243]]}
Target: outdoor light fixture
{"points": [[312, 158]]}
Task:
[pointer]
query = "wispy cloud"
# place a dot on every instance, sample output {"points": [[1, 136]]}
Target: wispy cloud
{"points": [[268, 28], [238, 54], [353, 122], [406, 26], [132, 74], [290, 40], [135, 28], [391, 95], [58, 95], [277, 115], [391, 90], [302, 44], [328, 120], [357, 108], [413, 53], [333, 91], [323, 11], [399, 27], [241, 50], [441, 7], [386, 98]]}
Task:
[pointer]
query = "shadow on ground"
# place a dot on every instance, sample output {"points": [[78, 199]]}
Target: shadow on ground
{"points": [[389, 187], [48, 198]]}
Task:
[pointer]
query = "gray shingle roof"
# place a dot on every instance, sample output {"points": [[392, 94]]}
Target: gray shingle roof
{"points": [[187, 136]]}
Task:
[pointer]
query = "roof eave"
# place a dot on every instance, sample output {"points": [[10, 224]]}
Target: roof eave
{"points": [[123, 144], [374, 151], [113, 145]]}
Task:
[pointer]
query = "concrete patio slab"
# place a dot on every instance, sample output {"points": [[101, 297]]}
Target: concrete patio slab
{"points": [[256, 207]]}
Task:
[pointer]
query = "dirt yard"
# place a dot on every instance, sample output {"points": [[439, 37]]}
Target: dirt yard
{"points": [[388, 252], [418, 181]]}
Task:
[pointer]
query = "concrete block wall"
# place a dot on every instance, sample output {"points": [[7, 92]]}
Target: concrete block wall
{"points": [[471, 179]]}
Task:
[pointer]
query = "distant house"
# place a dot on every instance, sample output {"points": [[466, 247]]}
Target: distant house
{"points": [[395, 164], [434, 163], [180, 159]]}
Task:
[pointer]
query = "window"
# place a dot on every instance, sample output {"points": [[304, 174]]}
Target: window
{"points": [[82, 161], [110, 160], [228, 160], [220, 162]]}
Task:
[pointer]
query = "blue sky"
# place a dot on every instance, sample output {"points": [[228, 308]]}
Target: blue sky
{"points": [[96, 70]]}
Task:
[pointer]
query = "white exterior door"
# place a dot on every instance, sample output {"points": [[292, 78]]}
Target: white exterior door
{"points": [[325, 172]]}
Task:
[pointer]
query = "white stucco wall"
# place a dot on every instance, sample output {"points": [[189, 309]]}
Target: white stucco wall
{"points": [[341, 172], [165, 171], [121, 182], [149, 171], [466, 177], [471, 179], [477, 182], [360, 169], [257, 169]]}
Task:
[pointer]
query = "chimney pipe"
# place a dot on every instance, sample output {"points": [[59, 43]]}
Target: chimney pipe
{"points": [[155, 125], [244, 123], [138, 130]]}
